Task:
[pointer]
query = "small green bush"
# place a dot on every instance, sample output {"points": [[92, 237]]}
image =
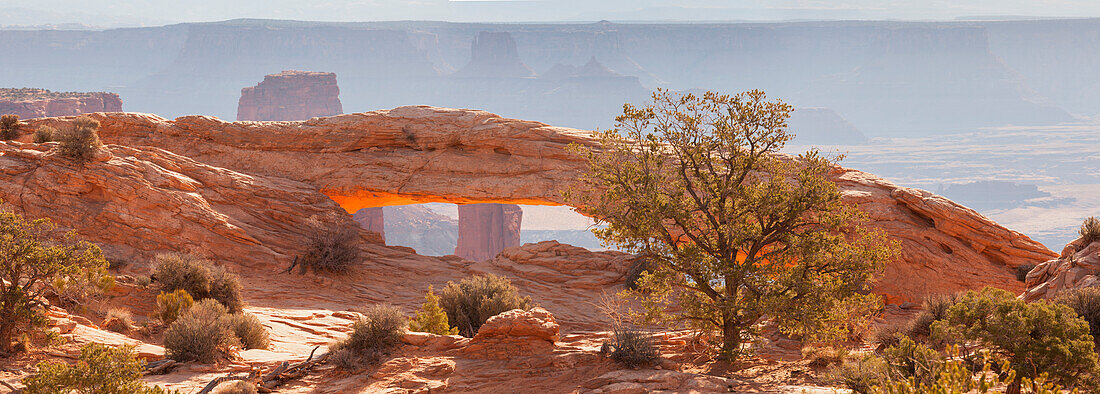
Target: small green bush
{"points": [[203, 333], [1090, 230], [9, 127], [100, 369], [249, 331], [1086, 303], [332, 252], [1036, 337], [913, 360], [376, 334], [862, 374], [118, 320], [171, 305], [81, 141], [631, 347], [635, 272], [475, 299], [431, 318], [199, 278], [44, 134]]}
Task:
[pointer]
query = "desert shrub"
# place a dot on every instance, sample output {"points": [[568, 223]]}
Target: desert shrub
{"points": [[202, 333], [225, 287], [1086, 303], [1035, 338], [955, 377], [913, 360], [1090, 230], [82, 140], [887, 336], [631, 347], [378, 332], [861, 374], [1022, 270], [431, 318], [249, 331], [330, 251], [475, 299], [9, 127], [238, 387], [118, 320], [171, 305], [935, 308], [824, 356], [100, 369], [44, 134], [199, 278]]}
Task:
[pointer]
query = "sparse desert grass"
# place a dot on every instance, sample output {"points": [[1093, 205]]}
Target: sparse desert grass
{"points": [[81, 141], [373, 336], [118, 320], [203, 333], [631, 347]]}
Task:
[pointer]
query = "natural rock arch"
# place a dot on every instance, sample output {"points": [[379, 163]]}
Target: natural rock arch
{"points": [[427, 154]]}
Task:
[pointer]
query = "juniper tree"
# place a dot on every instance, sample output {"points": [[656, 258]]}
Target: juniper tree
{"points": [[734, 230]]}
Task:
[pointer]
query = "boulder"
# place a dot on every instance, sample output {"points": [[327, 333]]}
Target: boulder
{"points": [[1077, 267]]}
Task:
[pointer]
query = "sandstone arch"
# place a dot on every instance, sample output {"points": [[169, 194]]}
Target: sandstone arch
{"points": [[427, 154]]}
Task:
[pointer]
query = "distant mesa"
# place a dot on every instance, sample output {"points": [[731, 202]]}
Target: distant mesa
{"points": [[494, 55], [823, 126], [291, 95], [592, 69], [418, 227], [40, 103]]}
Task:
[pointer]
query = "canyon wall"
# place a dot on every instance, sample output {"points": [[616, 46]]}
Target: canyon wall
{"points": [[371, 219], [291, 95], [484, 230], [75, 104], [425, 154]]}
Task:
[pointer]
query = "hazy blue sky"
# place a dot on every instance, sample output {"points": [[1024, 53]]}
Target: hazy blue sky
{"points": [[156, 12]]}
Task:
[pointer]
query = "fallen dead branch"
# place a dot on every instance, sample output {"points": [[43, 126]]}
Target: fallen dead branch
{"points": [[281, 374]]}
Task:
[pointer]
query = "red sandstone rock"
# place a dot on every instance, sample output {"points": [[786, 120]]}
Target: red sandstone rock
{"points": [[486, 229], [1077, 267], [425, 154], [40, 108], [291, 95], [371, 219]]}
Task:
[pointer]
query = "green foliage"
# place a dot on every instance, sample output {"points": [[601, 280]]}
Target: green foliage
{"points": [[475, 299], [44, 134], [1036, 338], [249, 331], [631, 347], [203, 333], [82, 140], [954, 377], [171, 305], [100, 369], [331, 251], [31, 260], [200, 278], [635, 273], [733, 230], [1086, 303], [1090, 230], [913, 360], [862, 374], [9, 127], [378, 332], [431, 317]]}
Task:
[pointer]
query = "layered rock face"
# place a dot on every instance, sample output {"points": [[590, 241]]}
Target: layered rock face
{"points": [[1077, 267], [291, 95], [40, 103], [426, 154], [138, 203], [486, 229], [494, 55], [371, 219]]}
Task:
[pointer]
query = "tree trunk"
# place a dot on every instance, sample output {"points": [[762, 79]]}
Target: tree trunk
{"points": [[731, 339], [7, 328], [1014, 387]]}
